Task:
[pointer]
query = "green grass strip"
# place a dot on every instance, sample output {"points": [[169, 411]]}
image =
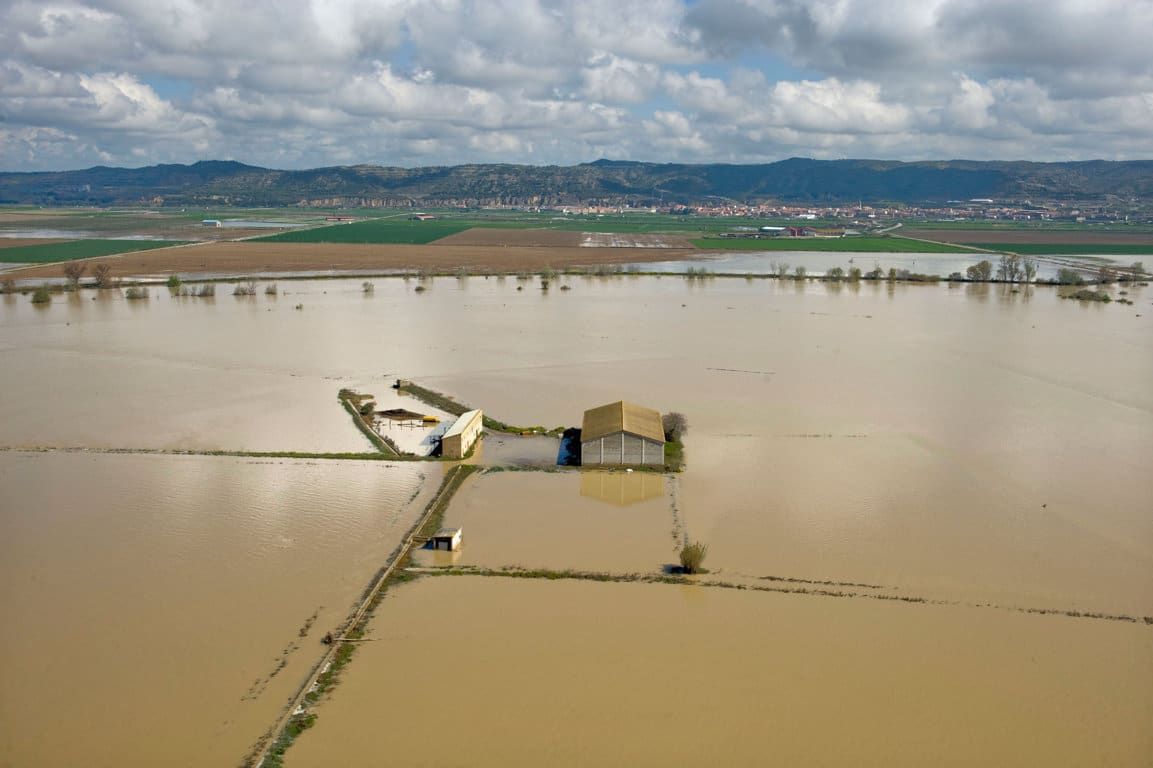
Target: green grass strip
{"points": [[78, 249], [393, 231]]}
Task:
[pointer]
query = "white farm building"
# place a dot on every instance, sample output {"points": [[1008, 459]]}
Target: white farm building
{"points": [[460, 437], [622, 433]]}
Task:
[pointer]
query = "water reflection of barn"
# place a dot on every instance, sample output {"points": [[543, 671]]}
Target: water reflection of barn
{"points": [[622, 488], [622, 433]]}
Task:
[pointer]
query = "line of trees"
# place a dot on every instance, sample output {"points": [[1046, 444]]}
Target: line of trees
{"points": [[1011, 268]]}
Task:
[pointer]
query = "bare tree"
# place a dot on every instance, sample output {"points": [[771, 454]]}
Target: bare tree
{"points": [[1029, 268], [675, 425], [73, 271], [102, 273], [781, 269], [1009, 268]]}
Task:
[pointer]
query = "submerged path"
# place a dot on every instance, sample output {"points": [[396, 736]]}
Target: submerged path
{"points": [[279, 737]]}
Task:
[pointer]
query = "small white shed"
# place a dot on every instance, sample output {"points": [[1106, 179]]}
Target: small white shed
{"points": [[446, 538]]}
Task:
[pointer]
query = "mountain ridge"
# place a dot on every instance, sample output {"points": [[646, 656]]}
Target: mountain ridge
{"points": [[608, 182]]}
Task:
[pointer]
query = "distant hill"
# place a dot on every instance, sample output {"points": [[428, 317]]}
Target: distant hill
{"points": [[796, 180]]}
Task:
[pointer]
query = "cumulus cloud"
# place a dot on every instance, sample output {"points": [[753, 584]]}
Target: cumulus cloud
{"points": [[291, 83]]}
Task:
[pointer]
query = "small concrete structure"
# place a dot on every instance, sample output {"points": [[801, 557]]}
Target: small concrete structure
{"points": [[446, 538], [212, 223], [622, 433], [461, 436]]}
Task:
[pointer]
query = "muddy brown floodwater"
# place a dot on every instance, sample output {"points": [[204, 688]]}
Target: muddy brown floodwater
{"points": [[499, 672], [982, 450], [159, 610]]}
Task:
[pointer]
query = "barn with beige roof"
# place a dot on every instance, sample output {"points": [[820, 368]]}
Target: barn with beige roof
{"points": [[622, 433]]}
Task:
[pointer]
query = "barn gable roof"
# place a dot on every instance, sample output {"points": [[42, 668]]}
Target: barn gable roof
{"points": [[622, 417]]}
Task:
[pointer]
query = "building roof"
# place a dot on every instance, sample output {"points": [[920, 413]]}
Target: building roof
{"points": [[622, 417], [459, 425]]}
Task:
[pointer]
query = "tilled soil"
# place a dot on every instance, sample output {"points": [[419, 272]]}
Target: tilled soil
{"points": [[15, 242]]}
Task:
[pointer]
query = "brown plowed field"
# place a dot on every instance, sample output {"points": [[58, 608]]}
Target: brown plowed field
{"points": [[15, 242], [21, 217], [520, 238], [290, 258], [1047, 237]]}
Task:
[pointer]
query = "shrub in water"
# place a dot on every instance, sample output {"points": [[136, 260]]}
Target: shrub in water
{"points": [[692, 555]]}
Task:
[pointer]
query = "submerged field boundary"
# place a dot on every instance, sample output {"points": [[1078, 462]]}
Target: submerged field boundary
{"points": [[351, 456], [815, 591], [296, 717]]}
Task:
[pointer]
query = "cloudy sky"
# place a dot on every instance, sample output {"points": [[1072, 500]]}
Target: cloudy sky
{"points": [[305, 83]]}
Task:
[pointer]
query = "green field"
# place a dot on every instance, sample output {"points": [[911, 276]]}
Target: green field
{"points": [[375, 231], [398, 229], [992, 227], [855, 244], [1070, 249], [77, 249]]}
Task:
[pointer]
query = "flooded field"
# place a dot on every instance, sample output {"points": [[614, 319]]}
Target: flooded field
{"points": [[820, 262], [499, 672], [983, 450], [159, 610], [590, 521]]}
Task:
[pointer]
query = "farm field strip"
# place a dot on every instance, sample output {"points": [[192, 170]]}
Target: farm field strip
{"points": [[855, 244], [635, 240], [374, 231], [1054, 236], [48, 253], [494, 236], [261, 256], [22, 242], [1071, 249]]}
